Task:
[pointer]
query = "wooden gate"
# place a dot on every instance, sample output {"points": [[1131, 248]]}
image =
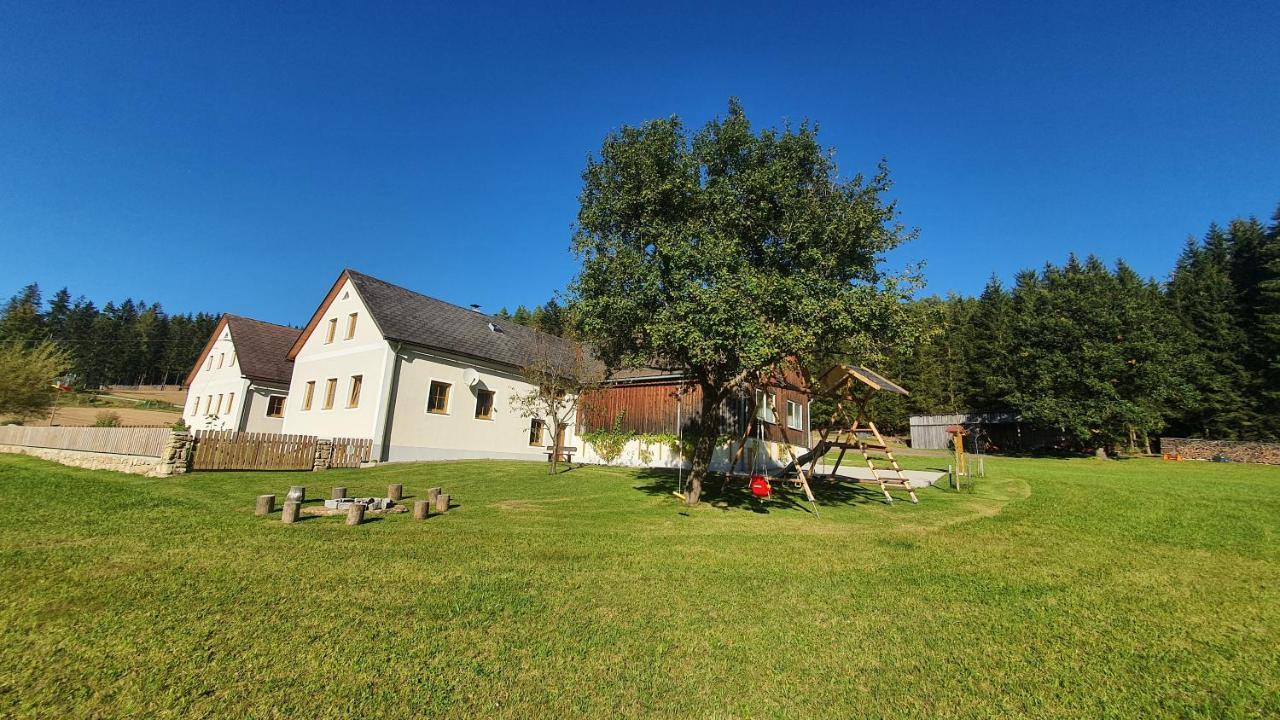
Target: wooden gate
{"points": [[229, 450], [350, 452]]}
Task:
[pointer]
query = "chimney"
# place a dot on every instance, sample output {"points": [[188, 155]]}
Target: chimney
{"points": [[475, 307]]}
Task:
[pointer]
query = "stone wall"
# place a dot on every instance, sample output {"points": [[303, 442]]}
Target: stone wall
{"points": [[1236, 451], [173, 460], [134, 464]]}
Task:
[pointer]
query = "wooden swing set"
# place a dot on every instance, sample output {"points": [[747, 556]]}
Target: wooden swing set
{"points": [[851, 387]]}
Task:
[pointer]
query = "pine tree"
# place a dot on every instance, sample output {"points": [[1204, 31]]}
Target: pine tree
{"points": [[521, 316], [1266, 336], [1203, 298], [56, 317], [21, 322]]}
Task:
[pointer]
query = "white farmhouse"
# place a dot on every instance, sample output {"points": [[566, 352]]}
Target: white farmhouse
{"points": [[241, 379], [424, 379]]}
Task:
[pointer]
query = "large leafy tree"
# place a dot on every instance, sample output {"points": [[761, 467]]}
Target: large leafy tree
{"points": [[727, 251]]}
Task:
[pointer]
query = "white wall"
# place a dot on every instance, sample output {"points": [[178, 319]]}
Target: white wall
{"points": [[659, 455], [219, 378], [420, 435], [365, 354], [255, 418]]}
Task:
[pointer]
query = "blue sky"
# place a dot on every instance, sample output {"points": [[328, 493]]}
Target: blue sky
{"points": [[234, 157]]}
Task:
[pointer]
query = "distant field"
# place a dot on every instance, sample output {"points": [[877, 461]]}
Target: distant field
{"points": [[1051, 588], [134, 407]]}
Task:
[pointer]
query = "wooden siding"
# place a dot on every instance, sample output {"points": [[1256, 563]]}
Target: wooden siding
{"points": [[145, 441], [652, 408]]}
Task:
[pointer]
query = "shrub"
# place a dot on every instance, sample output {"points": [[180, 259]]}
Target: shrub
{"points": [[106, 418], [609, 442]]}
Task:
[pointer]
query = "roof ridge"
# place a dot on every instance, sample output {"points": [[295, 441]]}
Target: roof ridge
{"points": [[260, 322], [511, 323]]}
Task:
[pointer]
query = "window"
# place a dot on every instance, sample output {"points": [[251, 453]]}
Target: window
{"points": [[766, 407], [795, 418], [209, 365], [308, 394], [353, 397], [222, 357], [438, 397], [217, 409], [330, 388], [484, 404], [208, 404], [231, 401], [275, 405], [351, 326], [233, 358], [535, 432], [195, 406], [333, 330]]}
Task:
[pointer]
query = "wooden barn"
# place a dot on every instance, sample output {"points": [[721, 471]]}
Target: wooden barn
{"points": [[654, 401]]}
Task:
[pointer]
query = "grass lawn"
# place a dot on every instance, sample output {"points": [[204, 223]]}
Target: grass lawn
{"points": [[1052, 588]]}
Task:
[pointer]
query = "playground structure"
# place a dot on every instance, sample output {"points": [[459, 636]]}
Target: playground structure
{"points": [[851, 387]]}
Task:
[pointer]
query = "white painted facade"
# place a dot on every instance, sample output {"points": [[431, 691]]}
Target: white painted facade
{"points": [[221, 398], [359, 353], [416, 433], [636, 453], [395, 380]]}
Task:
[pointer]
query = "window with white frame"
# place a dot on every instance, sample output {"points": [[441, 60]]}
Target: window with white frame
{"points": [[795, 415], [766, 407]]}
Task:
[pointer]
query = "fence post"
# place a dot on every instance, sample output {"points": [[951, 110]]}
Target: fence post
{"points": [[175, 459], [324, 454]]}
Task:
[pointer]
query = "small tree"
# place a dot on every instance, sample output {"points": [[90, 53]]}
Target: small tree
{"points": [[559, 375], [27, 378]]}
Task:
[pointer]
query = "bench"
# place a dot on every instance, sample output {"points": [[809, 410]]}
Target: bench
{"points": [[566, 453]]}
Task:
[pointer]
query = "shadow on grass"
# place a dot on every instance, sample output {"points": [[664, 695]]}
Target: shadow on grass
{"points": [[735, 493]]}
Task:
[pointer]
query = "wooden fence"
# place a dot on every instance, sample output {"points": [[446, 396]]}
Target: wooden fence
{"points": [[146, 441], [350, 452], [229, 450]]}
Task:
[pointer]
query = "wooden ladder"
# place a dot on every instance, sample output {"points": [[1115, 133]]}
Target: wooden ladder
{"points": [[869, 440]]}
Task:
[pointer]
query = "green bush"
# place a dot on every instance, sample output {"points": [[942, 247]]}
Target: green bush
{"points": [[106, 418], [609, 442]]}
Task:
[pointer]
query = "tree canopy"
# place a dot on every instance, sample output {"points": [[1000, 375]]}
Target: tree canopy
{"points": [[728, 250]]}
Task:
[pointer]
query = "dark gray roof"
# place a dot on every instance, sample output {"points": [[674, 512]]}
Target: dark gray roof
{"points": [[415, 318], [262, 348]]}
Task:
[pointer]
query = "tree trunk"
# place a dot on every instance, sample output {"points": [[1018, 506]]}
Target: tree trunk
{"points": [[1100, 453], [704, 445], [555, 448]]}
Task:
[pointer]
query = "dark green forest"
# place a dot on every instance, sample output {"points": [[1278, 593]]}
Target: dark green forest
{"points": [[129, 343], [1108, 358], [1098, 354]]}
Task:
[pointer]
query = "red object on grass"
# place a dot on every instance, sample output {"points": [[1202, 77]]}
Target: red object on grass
{"points": [[760, 487]]}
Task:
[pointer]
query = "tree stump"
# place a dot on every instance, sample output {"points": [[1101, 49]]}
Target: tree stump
{"points": [[297, 493], [266, 505], [338, 493], [442, 503], [290, 513], [421, 509], [395, 491], [355, 513], [431, 495]]}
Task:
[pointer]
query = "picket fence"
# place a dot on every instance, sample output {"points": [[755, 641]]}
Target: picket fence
{"points": [[350, 452], [145, 441], [230, 450]]}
